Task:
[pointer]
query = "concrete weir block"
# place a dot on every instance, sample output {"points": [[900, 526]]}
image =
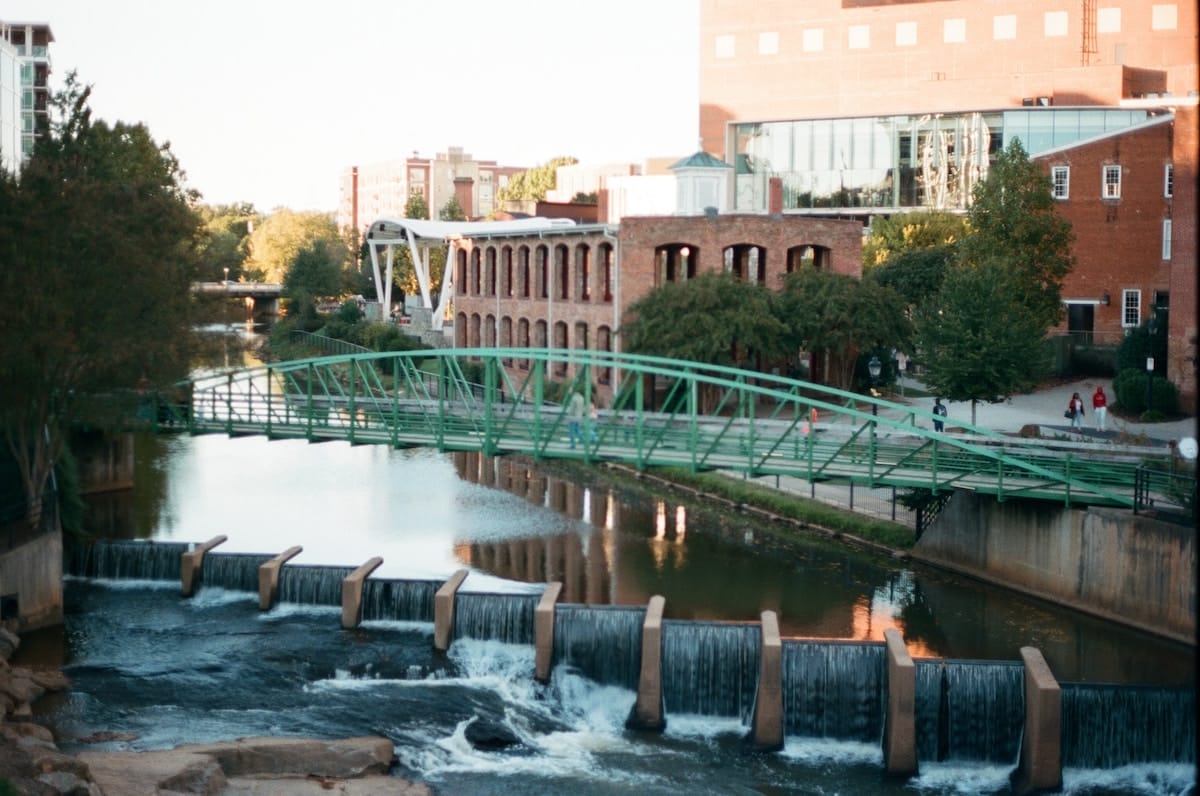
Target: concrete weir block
{"points": [[900, 723], [543, 631], [1040, 766], [268, 577], [443, 611], [768, 704], [352, 587], [191, 561], [648, 711]]}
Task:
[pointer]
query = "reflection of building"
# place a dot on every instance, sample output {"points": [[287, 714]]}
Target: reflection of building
{"points": [[1108, 85], [383, 189], [24, 89]]}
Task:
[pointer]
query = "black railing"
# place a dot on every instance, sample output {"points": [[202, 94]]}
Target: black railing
{"points": [[1165, 494]]}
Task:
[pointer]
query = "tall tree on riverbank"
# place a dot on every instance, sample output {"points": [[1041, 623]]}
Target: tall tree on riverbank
{"points": [[97, 255]]}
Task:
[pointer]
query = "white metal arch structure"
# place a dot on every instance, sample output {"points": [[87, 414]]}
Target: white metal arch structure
{"points": [[421, 236]]}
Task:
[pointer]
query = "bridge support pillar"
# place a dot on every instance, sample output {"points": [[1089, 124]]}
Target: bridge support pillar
{"points": [[352, 587], [268, 577], [1040, 766], [191, 561], [543, 631], [648, 712], [900, 723], [768, 704], [443, 611]]}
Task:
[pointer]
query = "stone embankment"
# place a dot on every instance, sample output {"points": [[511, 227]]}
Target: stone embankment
{"points": [[31, 763]]}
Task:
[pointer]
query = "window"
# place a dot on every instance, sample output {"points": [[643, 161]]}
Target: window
{"points": [[1055, 23], [1060, 177], [1131, 308], [1108, 20], [1004, 27], [1164, 17], [954, 31], [1166, 239], [814, 40], [906, 34], [859, 37], [768, 44], [1110, 187], [1169, 180], [725, 47]]}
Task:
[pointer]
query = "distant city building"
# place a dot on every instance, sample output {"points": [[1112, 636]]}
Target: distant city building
{"points": [[382, 190], [24, 89]]}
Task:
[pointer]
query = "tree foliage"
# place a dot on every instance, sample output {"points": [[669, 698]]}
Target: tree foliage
{"points": [[452, 210], [315, 273], [841, 315], [97, 254], [281, 236], [533, 184], [1014, 223], [977, 339], [729, 322], [908, 232], [224, 240], [915, 274], [416, 207]]}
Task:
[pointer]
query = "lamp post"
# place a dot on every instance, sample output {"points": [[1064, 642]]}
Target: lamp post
{"points": [[1151, 328], [227, 277], [874, 368]]}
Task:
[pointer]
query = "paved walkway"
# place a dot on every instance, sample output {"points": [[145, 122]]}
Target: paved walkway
{"points": [[1045, 408]]}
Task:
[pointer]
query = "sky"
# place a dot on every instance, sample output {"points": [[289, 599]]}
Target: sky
{"points": [[269, 101]]}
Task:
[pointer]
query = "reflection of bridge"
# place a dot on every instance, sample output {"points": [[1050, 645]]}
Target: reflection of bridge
{"points": [[258, 295], [664, 413]]}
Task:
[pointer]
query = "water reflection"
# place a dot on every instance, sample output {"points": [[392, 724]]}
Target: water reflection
{"points": [[711, 565]]}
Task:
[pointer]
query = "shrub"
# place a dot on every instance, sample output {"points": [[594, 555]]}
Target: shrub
{"points": [[1092, 361], [1130, 389]]}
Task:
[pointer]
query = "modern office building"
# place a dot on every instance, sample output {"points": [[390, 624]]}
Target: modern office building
{"points": [[382, 189], [875, 107], [24, 88]]}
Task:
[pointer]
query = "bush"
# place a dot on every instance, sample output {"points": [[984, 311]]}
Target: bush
{"points": [[1092, 361], [1130, 389], [1139, 343]]}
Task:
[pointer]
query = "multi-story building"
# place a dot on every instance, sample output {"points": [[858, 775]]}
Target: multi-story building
{"points": [[24, 89], [382, 190], [870, 107]]}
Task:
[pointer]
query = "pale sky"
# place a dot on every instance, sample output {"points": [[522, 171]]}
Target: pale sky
{"points": [[268, 101]]}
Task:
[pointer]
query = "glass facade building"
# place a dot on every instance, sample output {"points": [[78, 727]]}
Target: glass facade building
{"points": [[874, 164]]}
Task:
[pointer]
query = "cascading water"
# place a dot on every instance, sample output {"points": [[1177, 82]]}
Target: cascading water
{"points": [[312, 585], [125, 560], [710, 668], [501, 617], [399, 600], [233, 571], [834, 690], [1105, 726], [602, 642], [969, 710]]}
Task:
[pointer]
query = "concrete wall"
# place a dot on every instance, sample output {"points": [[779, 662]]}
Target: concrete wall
{"points": [[1108, 562], [33, 574]]}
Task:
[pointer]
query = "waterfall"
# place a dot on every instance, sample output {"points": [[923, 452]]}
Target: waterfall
{"points": [[603, 642], [834, 690], [312, 584], [710, 668], [233, 571], [125, 560], [970, 710], [502, 617], [399, 600], [1105, 726]]}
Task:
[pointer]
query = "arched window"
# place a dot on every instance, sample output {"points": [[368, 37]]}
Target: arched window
{"points": [[604, 343], [583, 272], [543, 272], [747, 261], [607, 272], [523, 287], [562, 271], [676, 262], [808, 256]]}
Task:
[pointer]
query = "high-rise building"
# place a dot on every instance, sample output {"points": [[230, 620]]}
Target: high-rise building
{"points": [[24, 88]]}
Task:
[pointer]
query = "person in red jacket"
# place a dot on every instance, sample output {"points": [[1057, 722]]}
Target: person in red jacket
{"points": [[1099, 406]]}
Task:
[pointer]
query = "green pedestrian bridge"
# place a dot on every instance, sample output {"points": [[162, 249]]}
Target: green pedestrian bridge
{"points": [[663, 413]]}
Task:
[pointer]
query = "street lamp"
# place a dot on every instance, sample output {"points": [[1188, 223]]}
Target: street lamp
{"points": [[874, 368], [1151, 328], [227, 275]]}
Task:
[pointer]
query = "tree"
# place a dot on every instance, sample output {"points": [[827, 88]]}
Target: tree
{"points": [[315, 273], [978, 340], [224, 242], [1013, 222], [532, 185], [275, 242], [907, 232], [841, 316], [97, 255], [416, 207], [452, 211], [915, 274]]}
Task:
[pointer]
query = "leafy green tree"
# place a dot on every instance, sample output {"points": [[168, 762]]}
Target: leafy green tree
{"points": [[915, 274], [281, 236], [416, 207], [906, 232], [97, 254], [841, 316], [1013, 222], [452, 211], [533, 184], [315, 273], [978, 340], [224, 240]]}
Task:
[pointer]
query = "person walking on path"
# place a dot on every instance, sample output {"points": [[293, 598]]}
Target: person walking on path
{"points": [[939, 409], [1075, 410], [575, 413], [1099, 406]]}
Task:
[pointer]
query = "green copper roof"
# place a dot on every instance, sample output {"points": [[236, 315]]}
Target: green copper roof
{"points": [[700, 160]]}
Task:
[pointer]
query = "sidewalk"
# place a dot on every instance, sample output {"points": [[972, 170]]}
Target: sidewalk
{"points": [[1045, 408]]}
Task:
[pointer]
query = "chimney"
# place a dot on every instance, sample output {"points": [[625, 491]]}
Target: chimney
{"points": [[602, 206], [462, 192], [775, 196]]}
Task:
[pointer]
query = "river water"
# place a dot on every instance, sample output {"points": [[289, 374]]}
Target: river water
{"points": [[151, 669]]}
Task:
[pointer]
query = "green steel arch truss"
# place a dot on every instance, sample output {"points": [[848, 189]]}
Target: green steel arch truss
{"points": [[663, 413]]}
